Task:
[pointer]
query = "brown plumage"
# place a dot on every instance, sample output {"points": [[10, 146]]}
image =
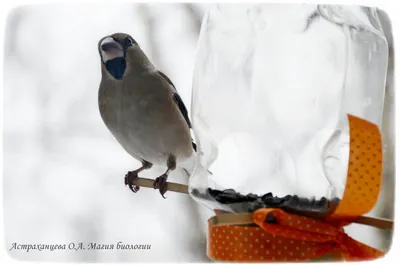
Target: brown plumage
{"points": [[142, 109]]}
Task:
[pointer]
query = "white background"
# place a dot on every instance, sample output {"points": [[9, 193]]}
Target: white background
{"points": [[54, 137]]}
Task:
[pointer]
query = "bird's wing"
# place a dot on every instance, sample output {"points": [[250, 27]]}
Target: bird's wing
{"points": [[178, 100]]}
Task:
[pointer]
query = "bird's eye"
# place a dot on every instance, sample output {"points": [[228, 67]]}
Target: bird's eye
{"points": [[129, 41]]}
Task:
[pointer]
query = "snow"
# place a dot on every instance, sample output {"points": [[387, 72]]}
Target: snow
{"points": [[64, 171]]}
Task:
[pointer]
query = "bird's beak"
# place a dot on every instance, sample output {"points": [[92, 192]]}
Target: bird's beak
{"points": [[110, 49]]}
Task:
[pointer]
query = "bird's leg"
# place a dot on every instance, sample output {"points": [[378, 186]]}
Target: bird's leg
{"points": [[130, 179], [160, 183], [131, 176]]}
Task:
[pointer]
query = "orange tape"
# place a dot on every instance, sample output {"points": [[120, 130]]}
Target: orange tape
{"points": [[294, 238], [299, 238], [364, 171]]}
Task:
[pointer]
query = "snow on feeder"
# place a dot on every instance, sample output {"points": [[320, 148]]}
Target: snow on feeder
{"points": [[286, 107]]}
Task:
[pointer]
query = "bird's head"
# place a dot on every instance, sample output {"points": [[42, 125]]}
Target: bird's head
{"points": [[116, 52]]}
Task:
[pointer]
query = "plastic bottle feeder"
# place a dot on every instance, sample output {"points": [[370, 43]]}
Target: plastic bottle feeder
{"points": [[287, 106]]}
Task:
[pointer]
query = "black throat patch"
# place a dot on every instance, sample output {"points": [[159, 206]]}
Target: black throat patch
{"points": [[116, 67]]}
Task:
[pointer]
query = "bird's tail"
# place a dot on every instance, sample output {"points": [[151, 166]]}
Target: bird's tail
{"points": [[187, 172]]}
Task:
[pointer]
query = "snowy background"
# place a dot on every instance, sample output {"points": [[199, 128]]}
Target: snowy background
{"points": [[63, 169]]}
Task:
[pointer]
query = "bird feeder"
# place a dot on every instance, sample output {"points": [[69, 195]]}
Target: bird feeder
{"points": [[287, 106]]}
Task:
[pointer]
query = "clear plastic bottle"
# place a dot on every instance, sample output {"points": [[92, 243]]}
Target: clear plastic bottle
{"points": [[273, 84]]}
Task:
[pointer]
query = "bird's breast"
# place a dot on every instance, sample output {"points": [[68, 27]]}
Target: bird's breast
{"points": [[145, 122]]}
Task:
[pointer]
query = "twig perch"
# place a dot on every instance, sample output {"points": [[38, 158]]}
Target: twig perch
{"points": [[176, 187], [246, 218]]}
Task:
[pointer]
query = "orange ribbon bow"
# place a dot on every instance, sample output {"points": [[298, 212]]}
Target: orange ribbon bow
{"points": [[300, 238]]}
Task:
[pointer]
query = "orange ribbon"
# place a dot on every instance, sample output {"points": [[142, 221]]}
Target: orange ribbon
{"points": [[299, 238]]}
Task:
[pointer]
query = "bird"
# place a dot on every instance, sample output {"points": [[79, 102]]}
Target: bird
{"points": [[142, 109]]}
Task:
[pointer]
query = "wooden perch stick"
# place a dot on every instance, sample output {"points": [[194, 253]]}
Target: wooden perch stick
{"points": [[247, 218], [176, 187]]}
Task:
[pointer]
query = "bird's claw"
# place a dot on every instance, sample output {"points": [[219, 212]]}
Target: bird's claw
{"points": [[161, 184], [130, 180]]}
